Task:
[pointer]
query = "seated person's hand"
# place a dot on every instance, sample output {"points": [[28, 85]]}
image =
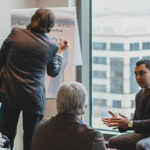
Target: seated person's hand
{"points": [[110, 122], [117, 122]]}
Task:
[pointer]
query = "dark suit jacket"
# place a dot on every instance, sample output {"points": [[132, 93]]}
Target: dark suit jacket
{"points": [[66, 132], [141, 120], [24, 57]]}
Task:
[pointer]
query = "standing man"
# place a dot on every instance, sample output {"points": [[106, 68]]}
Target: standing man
{"points": [[66, 131], [24, 57], [139, 139]]}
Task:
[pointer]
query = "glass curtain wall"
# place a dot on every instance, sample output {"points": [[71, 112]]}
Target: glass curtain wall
{"points": [[120, 36]]}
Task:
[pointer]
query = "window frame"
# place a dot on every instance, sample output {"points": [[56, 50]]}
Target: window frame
{"points": [[84, 16]]}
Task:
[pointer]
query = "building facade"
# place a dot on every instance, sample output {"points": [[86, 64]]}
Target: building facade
{"points": [[119, 39]]}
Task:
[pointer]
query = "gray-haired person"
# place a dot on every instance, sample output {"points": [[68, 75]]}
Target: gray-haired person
{"points": [[66, 131], [25, 56]]}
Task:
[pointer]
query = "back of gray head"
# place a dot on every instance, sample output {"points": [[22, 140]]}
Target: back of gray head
{"points": [[71, 98]]}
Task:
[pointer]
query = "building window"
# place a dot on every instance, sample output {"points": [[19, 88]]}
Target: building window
{"points": [[99, 74], [99, 106], [146, 57], [116, 47], [100, 102], [116, 104], [132, 115], [99, 46], [145, 45], [134, 46], [132, 103], [133, 84], [99, 60], [99, 88], [116, 75]]}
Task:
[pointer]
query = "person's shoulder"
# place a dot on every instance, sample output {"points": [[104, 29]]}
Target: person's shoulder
{"points": [[90, 130], [139, 92], [17, 30], [139, 95], [44, 122], [53, 45], [92, 134], [42, 125]]}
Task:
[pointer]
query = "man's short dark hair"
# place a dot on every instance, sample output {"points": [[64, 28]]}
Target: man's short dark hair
{"points": [[144, 61], [42, 21]]}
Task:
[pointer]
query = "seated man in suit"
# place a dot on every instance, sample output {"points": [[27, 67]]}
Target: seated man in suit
{"points": [[66, 131], [139, 139]]}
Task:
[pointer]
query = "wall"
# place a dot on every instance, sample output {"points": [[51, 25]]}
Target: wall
{"points": [[52, 3], [5, 11]]}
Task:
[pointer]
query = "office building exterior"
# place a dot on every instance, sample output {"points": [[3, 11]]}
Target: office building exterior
{"points": [[119, 39]]}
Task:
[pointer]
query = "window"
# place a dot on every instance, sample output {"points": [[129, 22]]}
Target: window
{"points": [[126, 35], [132, 103], [133, 84], [116, 47], [99, 88], [146, 45], [99, 60], [116, 104], [99, 74], [100, 102], [134, 46], [132, 115], [99, 46], [116, 75], [99, 106], [146, 57]]}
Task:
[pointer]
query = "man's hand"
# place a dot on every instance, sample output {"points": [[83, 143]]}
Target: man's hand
{"points": [[109, 121], [116, 122], [62, 46], [122, 122], [113, 115]]}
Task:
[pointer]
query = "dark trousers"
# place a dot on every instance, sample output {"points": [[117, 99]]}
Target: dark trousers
{"points": [[8, 124], [130, 141]]}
